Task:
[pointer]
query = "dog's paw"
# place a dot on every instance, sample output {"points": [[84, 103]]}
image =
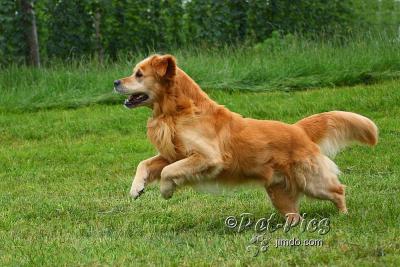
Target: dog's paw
{"points": [[167, 188], [136, 191], [343, 211], [292, 219]]}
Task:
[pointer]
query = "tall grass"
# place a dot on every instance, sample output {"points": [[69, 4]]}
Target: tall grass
{"points": [[280, 63]]}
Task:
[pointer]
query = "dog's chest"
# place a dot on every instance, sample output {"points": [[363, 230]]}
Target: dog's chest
{"points": [[162, 134]]}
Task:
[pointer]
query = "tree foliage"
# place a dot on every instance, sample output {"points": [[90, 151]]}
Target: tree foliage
{"points": [[12, 45], [74, 28]]}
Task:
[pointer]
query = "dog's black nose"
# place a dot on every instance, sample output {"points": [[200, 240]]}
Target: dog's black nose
{"points": [[117, 82]]}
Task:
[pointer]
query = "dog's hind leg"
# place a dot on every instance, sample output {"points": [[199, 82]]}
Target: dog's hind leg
{"points": [[323, 183], [333, 191], [285, 200], [147, 171], [191, 169]]}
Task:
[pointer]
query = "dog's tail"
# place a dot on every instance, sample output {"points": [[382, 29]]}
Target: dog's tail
{"points": [[334, 130]]}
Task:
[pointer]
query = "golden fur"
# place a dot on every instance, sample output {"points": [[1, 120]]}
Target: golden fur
{"points": [[200, 141]]}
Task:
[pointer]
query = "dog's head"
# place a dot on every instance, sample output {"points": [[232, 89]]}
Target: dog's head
{"points": [[148, 81]]}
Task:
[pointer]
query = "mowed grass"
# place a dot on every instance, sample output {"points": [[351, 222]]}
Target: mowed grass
{"points": [[65, 177]]}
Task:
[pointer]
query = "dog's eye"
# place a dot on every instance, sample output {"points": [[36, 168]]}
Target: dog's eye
{"points": [[138, 74]]}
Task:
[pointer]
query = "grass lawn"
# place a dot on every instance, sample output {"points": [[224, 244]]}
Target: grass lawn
{"points": [[290, 63], [65, 176]]}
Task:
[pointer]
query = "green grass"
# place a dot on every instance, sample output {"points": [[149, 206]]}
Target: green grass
{"points": [[287, 64], [65, 177]]}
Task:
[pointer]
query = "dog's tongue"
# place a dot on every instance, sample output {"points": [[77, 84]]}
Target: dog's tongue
{"points": [[137, 97]]}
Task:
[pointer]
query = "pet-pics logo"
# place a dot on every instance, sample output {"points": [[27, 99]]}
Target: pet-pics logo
{"points": [[262, 240]]}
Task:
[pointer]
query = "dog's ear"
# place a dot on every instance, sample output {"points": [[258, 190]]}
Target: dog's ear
{"points": [[164, 66]]}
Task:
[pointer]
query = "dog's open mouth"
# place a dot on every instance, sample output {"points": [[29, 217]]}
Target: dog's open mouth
{"points": [[135, 99]]}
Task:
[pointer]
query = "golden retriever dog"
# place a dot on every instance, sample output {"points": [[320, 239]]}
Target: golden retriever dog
{"points": [[200, 141]]}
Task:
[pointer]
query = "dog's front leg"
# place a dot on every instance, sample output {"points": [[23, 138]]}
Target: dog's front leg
{"points": [[147, 171], [191, 169]]}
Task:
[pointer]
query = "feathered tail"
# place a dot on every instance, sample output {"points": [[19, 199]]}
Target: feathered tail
{"points": [[334, 130]]}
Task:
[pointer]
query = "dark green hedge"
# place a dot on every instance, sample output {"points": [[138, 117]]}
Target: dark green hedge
{"points": [[67, 29]]}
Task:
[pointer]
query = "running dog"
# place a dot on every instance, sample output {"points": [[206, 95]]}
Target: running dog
{"points": [[199, 141]]}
